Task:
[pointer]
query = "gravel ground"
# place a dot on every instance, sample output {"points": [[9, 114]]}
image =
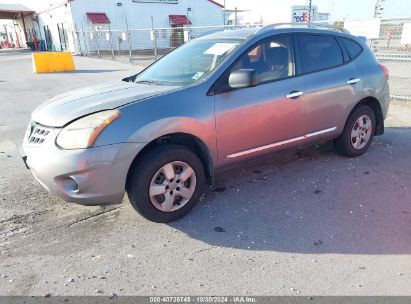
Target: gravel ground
{"points": [[305, 222]]}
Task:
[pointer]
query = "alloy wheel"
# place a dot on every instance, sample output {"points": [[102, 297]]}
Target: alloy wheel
{"points": [[361, 132], [172, 186]]}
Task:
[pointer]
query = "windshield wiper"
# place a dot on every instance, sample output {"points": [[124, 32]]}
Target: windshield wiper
{"points": [[148, 82]]}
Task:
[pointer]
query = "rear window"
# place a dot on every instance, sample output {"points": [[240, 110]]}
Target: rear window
{"points": [[319, 53], [352, 47]]}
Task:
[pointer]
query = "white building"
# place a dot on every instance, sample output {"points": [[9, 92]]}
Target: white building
{"points": [[73, 24]]}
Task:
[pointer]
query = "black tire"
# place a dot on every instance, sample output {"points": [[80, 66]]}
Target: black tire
{"points": [[143, 171], [343, 144]]}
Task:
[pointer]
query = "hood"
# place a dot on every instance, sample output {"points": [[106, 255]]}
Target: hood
{"points": [[64, 108]]}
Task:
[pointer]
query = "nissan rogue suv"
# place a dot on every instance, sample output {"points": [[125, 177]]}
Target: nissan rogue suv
{"points": [[159, 135]]}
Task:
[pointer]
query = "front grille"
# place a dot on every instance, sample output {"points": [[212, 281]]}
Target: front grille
{"points": [[38, 134]]}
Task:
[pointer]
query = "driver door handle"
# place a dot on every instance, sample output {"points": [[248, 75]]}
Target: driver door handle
{"points": [[353, 80], [294, 94]]}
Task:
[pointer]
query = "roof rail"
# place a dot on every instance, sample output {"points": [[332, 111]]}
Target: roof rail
{"points": [[303, 24]]}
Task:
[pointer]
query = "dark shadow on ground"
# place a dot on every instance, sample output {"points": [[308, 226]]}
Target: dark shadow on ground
{"points": [[312, 201]]}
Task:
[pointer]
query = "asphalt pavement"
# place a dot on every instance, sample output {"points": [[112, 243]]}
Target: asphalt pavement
{"points": [[303, 222]]}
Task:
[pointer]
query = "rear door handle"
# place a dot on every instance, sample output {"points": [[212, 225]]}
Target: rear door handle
{"points": [[353, 80], [294, 94]]}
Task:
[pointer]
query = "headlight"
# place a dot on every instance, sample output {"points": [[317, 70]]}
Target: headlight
{"points": [[83, 132]]}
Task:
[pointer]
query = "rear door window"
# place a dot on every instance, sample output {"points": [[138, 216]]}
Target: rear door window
{"points": [[352, 47], [318, 52]]}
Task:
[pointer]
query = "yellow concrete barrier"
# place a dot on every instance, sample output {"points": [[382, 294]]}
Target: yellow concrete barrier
{"points": [[49, 62]]}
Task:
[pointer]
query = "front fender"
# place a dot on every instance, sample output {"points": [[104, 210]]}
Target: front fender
{"points": [[204, 131], [188, 111]]}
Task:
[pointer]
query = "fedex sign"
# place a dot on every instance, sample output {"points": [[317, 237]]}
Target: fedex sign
{"points": [[300, 13]]}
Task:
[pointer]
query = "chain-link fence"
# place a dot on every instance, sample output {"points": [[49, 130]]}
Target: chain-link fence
{"points": [[392, 47], [137, 44]]}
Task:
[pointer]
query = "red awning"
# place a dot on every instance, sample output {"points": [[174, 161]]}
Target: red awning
{"points": [[98, 18], [179, 20]]}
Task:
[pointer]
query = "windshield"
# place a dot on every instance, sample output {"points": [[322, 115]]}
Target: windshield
{"points": [[189, 63]]}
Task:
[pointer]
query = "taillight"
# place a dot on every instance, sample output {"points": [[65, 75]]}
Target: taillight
{"points": [[385, 70]]}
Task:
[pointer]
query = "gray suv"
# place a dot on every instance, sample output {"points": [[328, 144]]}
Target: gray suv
{"points": [[159, 135]]}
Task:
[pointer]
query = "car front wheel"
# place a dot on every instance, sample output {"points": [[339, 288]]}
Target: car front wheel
{"points": [[166, 183]]}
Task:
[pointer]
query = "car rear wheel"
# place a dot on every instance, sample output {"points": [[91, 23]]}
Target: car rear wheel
{"points": [[166, 183], [358, 132]]}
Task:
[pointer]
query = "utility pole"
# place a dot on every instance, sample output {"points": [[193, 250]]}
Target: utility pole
{"points": [[379, 8], [120, 4], [224, 12], [188, 24], [309, 10], [236, 18], [154, 37]]}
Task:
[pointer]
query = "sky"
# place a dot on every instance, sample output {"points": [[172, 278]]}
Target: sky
{"points": [[280, 10]]}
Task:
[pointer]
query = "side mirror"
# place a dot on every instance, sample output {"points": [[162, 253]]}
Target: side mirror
{"points": [[243, 78]]}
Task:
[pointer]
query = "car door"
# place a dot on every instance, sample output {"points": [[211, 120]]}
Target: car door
{"points": [[331, 84], [265, 117]]}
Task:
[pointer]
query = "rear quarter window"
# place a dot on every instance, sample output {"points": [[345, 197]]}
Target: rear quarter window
{"points": [[319, 52], [353, 48]]}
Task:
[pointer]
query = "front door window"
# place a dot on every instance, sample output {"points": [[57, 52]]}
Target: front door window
{"points": [[271, 60]]}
